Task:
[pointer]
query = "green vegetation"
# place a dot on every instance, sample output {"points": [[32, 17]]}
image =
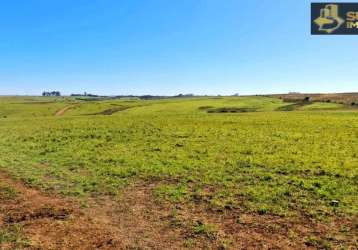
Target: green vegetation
{"points": [[264, 161], [323, 106], [7, 192], [12, 236], [207, 230]]}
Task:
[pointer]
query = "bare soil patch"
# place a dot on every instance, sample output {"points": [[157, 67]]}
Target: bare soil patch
{"points": [[138, 220], [51, 222], [62, 111], [35, 102], [111, 111], [133, 221], [295, 106], [229, 110], [241, 230]]}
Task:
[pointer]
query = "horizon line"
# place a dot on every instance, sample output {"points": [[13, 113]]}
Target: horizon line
{"points": [[185, 95]]}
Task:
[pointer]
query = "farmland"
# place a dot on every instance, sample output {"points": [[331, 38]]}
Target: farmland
{"points": [[206, 172]]}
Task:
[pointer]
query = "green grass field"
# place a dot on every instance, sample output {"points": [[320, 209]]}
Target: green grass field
{"points": [[255, 159]]}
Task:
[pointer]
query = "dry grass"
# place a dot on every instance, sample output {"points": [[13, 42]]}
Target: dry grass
{"points": [[343, 98]]}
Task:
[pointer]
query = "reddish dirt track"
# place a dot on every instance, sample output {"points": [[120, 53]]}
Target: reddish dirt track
{"points": [[135, 220]]}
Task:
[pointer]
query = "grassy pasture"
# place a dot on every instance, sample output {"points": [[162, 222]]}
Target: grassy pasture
{"points": [[266, 161]]}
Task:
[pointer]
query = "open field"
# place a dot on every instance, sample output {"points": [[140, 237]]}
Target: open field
{"points": [[208, 172]]}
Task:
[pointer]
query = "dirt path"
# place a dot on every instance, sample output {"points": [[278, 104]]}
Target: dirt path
{"points": [[136, 220], [52, 222], [62, 111]]}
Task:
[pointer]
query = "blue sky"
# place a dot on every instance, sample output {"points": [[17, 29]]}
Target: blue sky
{"points": [[170, 47]]}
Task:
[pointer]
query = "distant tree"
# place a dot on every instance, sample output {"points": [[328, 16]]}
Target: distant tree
{"points": [[53, 93]]}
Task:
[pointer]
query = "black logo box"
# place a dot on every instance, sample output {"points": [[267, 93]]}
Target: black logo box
{"points": [[343, 8]]}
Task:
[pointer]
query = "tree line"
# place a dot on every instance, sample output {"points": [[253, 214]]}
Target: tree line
{"points": [[52, 93]]}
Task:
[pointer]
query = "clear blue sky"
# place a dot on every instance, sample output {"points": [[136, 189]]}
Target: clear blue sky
{"points": [[170, 47]]}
